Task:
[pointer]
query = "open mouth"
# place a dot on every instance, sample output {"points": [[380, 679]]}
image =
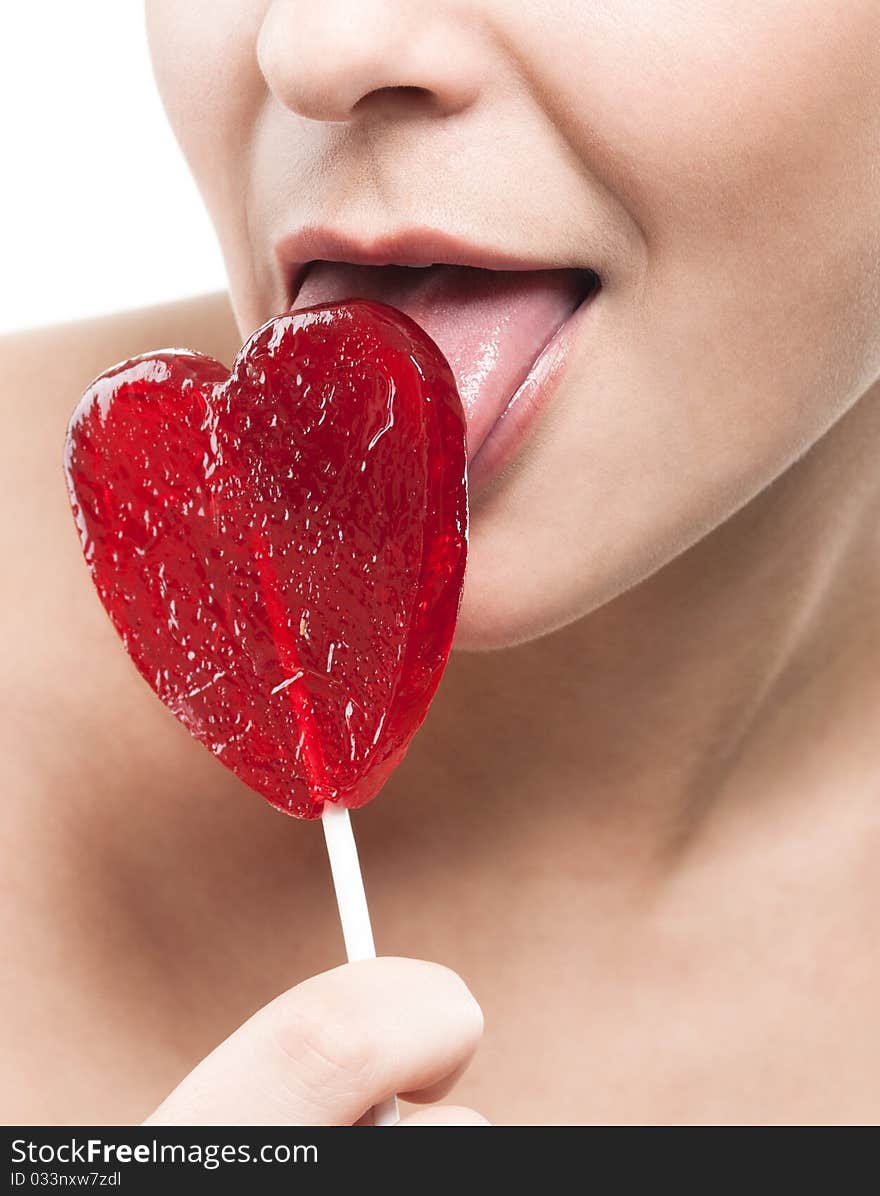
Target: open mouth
{"points": [[495, 327]]}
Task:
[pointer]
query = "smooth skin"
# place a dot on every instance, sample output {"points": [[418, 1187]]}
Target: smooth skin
{"points": [[644, 828]]}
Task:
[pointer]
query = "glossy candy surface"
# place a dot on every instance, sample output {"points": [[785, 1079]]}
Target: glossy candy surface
{"points": [[282, 548]]}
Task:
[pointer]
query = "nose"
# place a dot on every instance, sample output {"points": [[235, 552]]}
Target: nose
{"points": [[338, 60]]}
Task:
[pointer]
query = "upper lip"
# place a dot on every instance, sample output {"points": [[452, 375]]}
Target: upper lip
{"points": [[416, 246]]}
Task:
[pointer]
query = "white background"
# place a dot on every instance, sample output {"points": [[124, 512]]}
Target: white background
{"points": [[97, 210]]}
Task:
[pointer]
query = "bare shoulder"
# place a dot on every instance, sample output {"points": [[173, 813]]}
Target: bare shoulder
{"points": [[61, 360]]}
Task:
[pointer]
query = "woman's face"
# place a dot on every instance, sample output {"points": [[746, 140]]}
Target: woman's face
{"points": [[714, 165]]}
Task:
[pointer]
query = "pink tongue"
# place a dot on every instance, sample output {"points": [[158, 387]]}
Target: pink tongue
{"points": [[491, 325]]}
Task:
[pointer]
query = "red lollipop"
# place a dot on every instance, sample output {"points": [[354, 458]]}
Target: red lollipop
{"points": [[282, 548]]}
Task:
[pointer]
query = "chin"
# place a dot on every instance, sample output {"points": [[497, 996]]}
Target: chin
{"points": [[507, 602]]}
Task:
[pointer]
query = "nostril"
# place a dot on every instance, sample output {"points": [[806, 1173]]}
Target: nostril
{"points": [[397, 98]]}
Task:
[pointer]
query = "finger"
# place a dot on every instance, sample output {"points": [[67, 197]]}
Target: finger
{"points": [[327, 1050], [444, 1115], [437, 1091]]}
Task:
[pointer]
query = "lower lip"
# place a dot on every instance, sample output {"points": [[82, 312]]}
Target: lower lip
{"points": [[507, 438]]}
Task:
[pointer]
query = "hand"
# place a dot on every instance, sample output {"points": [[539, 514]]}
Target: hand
{"points": [[328, 1050]]}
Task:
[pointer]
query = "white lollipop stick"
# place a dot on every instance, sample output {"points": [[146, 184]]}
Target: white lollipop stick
{"points": [[353, 912]]}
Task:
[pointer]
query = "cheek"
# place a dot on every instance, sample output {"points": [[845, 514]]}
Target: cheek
{"points": [[204, 58], [743, 137], [751, 327]]}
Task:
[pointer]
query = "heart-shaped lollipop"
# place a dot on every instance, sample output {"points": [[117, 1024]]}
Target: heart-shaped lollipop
{"points": [[282, 547]]}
